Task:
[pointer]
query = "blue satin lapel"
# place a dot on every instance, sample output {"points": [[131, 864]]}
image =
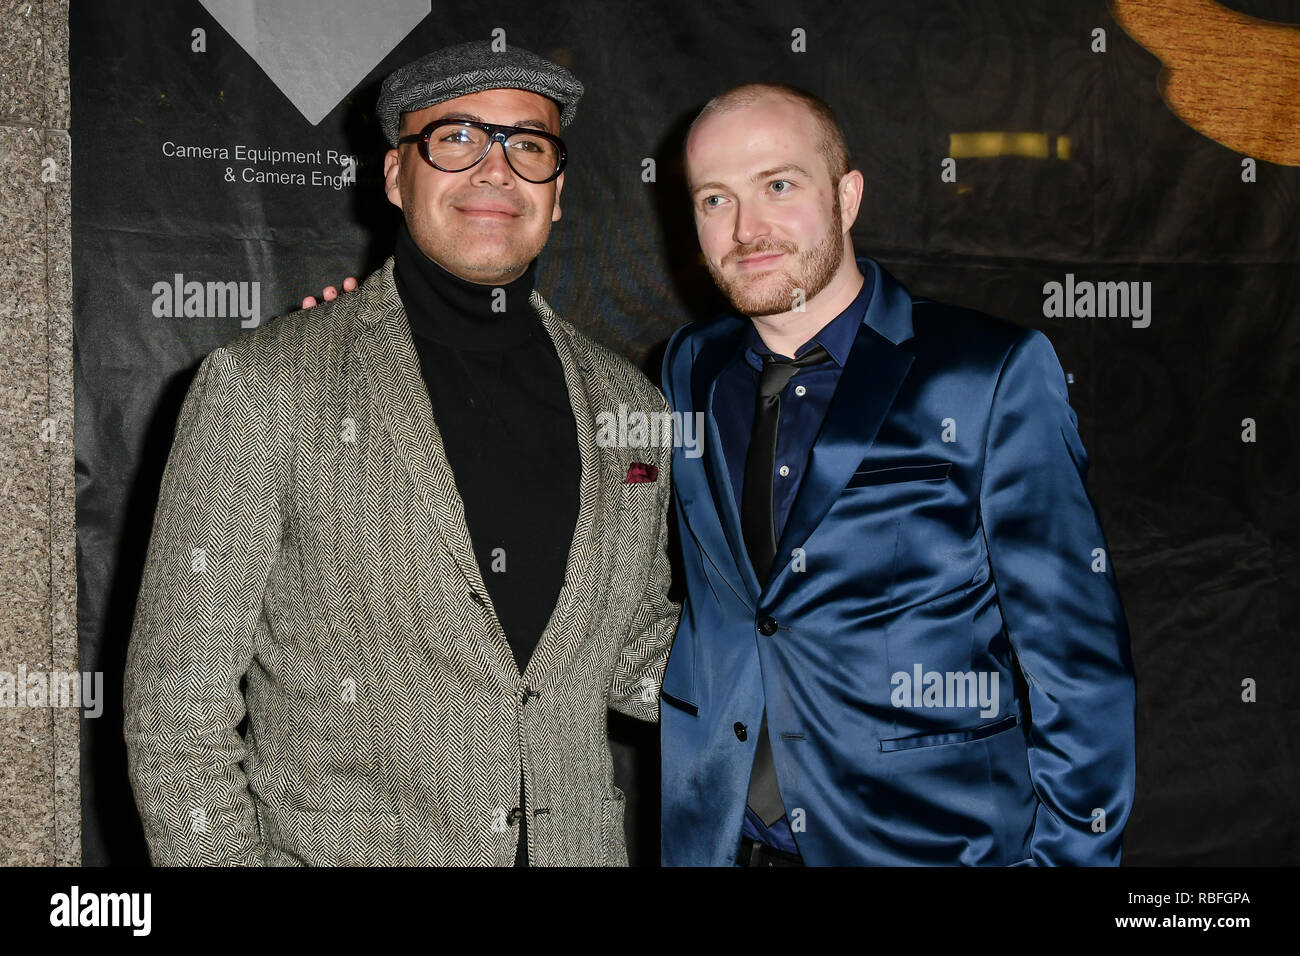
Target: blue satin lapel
{"points": [[871, 378], [725, 497], [718, 530]]}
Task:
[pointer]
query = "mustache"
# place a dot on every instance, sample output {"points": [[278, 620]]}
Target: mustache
{"points": [[760, 248]]}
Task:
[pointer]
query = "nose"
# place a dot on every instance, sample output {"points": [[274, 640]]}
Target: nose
{"points": [[750, 225], [494, 170]]}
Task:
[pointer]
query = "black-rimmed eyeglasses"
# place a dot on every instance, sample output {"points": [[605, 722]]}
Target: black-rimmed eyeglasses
{"points": [[454, 145]]}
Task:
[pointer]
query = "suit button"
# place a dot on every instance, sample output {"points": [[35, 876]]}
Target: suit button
{"points": [[766, 626], [741, 731], [513, 816]]}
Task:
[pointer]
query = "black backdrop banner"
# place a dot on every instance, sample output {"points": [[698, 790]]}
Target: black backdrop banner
{"points": [[227, 162]]}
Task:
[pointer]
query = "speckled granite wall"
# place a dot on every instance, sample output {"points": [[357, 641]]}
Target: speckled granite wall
{"points": [[40, 803]]}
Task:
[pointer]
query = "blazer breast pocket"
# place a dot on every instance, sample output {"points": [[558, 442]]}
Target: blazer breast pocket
{"points": [[937, 471], [636, 508], [639, 496]]}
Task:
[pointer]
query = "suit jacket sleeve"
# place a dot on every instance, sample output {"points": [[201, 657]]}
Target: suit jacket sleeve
{"points": [[1062, 611], [641, 663], [215, 533]]}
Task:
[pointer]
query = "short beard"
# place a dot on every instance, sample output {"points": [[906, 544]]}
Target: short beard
{"points": [[816, 267]]}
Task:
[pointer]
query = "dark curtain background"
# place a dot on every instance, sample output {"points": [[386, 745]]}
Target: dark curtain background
{"points": [[1203, 526]]}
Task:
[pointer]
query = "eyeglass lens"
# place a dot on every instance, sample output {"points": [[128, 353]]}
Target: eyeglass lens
{"points": [[455, 148]]}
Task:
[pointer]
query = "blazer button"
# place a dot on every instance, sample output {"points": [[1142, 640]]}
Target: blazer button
{"points": [[513, 816], [766, 626], [741, 731]]}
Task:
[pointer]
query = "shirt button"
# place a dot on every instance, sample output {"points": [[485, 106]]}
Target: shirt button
{"points": [[800, 391], [784, 471]]}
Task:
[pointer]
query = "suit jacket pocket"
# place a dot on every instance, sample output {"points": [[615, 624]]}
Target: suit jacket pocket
{"points": [[981, 732], [938, 471]]}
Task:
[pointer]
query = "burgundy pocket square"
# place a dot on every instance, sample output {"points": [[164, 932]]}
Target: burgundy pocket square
{"points": [[639, 472]]}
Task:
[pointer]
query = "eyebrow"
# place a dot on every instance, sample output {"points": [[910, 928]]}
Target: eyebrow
{"points": [[474, 118], [763, 174]]}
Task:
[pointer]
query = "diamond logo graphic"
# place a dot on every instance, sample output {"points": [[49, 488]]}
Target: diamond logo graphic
{"points": [[317, 51]]}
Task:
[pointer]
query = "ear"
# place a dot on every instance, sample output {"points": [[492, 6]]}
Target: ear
{"points": [[559, 185], [392, 166], [851, 185]]}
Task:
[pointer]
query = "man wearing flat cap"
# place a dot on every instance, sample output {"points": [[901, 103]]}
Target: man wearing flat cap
{"points": [[388, 534]]}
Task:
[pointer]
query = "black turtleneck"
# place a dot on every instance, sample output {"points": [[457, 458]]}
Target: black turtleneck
{"points": [[502, 407], [501, 404]]}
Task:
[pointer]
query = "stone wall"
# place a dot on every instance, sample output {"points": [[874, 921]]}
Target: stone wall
{"points": [[40, 801]]}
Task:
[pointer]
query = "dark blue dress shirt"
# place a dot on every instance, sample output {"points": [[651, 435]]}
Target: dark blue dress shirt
{"points": [[803, 408]]}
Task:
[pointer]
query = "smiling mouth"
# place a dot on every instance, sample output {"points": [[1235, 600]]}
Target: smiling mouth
{"points": [[760, 261], [489, 214]]}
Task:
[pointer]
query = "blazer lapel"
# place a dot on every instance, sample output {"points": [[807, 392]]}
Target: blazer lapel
{"points": [[577, 598], [393, 368], [871, 378], [718, 528]]}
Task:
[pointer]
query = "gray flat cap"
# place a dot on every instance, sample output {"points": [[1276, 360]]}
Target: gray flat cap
{"points": [[471, 68]]}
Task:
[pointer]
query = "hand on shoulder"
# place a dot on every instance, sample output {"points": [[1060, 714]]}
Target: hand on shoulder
{"points": [[329, 293]]}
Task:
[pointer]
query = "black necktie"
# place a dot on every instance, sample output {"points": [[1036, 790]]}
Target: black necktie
{"points": [[756, 522], [758, 527]]}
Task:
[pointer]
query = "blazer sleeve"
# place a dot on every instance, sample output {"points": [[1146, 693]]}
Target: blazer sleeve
{"points": [[1061, 607], [215, 533], [639, 671]]}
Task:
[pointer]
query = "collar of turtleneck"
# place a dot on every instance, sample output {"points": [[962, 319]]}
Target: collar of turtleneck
{"points": [[446, 308]]}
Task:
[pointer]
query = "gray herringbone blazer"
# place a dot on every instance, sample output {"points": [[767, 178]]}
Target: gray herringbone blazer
{"points": [[310, 538]]}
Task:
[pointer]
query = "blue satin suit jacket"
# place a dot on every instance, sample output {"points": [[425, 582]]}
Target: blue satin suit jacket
{"points": [[942, 540]]}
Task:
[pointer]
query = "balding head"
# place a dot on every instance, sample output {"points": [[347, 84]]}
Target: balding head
{"points": [[833, 145]]}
